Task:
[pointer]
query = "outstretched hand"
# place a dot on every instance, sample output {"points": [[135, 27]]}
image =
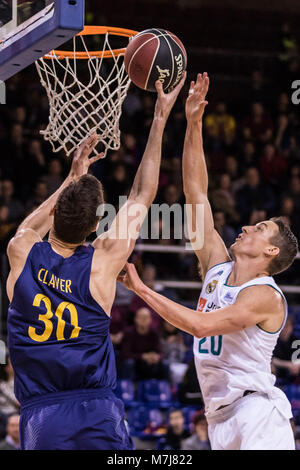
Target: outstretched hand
{"points": [[131, 278], [81, 161], [166, 101], [196, 103]]}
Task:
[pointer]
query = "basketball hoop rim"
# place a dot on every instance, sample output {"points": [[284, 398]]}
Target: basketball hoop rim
{"points": [[89, 31]]}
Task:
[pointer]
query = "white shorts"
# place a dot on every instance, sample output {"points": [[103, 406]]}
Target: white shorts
{"points": [[251, 423]]}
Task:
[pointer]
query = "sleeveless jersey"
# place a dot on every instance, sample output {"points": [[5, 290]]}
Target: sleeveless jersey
{"points": [[228, 365], [58, 335]]}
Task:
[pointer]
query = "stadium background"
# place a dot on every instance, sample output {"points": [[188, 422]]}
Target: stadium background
{"points": [[252, 146]]}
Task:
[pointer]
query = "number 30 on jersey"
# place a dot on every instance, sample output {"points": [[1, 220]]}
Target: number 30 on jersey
{"points": [[48, 323]]}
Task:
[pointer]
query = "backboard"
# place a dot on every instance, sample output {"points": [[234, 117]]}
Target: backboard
{"points": [[31, 28]]}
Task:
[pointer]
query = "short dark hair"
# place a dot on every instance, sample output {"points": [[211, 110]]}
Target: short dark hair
{"points": [[287, 243], [75, 210], [175, 410], [198, 417]]}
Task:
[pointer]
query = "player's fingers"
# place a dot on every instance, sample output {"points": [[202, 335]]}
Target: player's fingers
{"points": [[204, 104], [159, 88], [97, 157], [182, 82], [129, 266], [90, 141], [199, 79], [176, 90], [206, 83]]}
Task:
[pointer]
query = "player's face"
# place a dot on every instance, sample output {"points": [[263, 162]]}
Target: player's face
{"points": [[255, 239]]}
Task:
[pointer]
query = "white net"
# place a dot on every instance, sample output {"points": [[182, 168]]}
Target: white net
{"points": [[81, 106]]}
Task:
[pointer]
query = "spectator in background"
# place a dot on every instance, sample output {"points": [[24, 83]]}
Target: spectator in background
{"points": [[287, 209], [141, 350], [15, 207], [6, 228], [148, 276], [130, 150], [232, 169], [199, 439], [17, 141], [5, 12], [294, 192], [8, 401], [248, 157], [287, 43], [257, 216], [220, 125], [39, 196], [254, 196], [273, 165], [173, 348], [11, 441], [172, 194], [257, 92], [227, 233], [189, 392], [117, 325], [282, 357], [36, 162], [258, 126], [54, 177], [282, 136], [176, 431], [118, 183], [294, 150], [222, 198]]}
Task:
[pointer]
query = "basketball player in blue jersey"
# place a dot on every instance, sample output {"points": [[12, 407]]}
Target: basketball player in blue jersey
{"points": [[240, 313], [61, 294]]}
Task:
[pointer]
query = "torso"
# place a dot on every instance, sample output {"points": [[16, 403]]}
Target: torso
{"points": [[227, 365], [58, 334]]}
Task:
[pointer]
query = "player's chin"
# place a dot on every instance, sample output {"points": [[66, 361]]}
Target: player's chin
{"points": [[233, 246]]}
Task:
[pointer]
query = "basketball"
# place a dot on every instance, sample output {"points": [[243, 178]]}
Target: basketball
{"points": [[155, 54]]}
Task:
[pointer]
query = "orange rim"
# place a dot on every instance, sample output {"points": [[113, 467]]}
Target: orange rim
{"points": [[94, 30]]}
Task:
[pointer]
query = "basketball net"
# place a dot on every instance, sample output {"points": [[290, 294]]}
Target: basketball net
{"points": [[79, 109]]}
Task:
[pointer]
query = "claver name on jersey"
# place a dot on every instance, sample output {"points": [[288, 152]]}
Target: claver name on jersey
{"points": [[64, 285]]}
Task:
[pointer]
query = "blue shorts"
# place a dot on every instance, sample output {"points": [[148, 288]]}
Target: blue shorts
{"points": [[90, 419]]}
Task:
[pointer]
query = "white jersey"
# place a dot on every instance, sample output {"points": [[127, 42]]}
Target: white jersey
{"points": [[228, 365]]}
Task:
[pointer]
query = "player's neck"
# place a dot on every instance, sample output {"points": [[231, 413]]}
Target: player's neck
{"points": [[60, 247], [244, 271]]}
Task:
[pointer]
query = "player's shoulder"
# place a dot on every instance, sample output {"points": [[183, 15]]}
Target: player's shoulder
{"points": [[261, 296], [22, 242]]}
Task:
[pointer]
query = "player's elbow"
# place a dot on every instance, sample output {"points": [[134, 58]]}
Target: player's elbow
{"points": [[194, 194], [144, 197], [199, 329]]}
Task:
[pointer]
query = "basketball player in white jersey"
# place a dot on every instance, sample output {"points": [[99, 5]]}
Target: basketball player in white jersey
{"points": [[240, 313]]}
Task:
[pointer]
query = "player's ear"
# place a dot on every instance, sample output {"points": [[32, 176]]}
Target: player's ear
{"points": [[272, 250]]}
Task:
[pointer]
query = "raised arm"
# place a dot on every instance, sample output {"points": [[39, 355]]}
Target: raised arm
{"points": [[257, 305], [195, 180], [117, 244]]}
